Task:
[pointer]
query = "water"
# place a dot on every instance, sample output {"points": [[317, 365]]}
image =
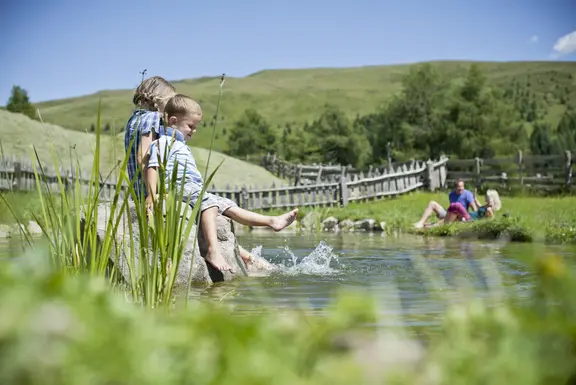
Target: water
{"points": [[412, 278]]}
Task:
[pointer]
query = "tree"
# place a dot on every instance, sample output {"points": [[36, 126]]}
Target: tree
{"points": [[566, 131], [19, 102], [541, 140], [251, 134]]}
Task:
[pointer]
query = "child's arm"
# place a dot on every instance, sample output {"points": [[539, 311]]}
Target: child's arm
{"points": [[151, 185], [151, 173]]}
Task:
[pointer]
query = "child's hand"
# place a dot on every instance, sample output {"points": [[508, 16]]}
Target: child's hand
{"points": [[150, 203]]}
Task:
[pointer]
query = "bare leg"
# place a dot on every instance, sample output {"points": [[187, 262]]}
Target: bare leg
{"points": [[245, 255], [214, 256], [249, 218], [452, 217], [433, 207]]}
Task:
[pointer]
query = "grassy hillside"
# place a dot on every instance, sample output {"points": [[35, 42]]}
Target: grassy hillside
{"points": [[18, 133], [297, 95]]}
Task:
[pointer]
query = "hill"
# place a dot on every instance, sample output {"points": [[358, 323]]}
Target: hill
{"points": [[18, 133], [283, 96]]}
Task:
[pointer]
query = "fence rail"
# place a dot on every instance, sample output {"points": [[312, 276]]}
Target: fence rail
{"points": [[542, 172], [19, 176]]}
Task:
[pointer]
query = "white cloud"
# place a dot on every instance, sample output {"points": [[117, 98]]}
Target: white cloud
{"points": [[565, 45], [534, 39]]}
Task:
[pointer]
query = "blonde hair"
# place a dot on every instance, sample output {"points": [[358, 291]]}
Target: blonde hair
{"points": [[180, 105], [153, 93], [493, 199]]}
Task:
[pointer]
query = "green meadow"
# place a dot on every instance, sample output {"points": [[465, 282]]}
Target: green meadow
{"points": [[298, 96]]}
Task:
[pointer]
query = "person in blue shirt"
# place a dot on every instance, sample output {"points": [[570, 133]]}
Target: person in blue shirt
{"points": [[458, 195], [182, 117]]}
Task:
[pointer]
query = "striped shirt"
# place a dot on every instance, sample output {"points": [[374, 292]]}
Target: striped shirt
{"points": [[142, 122], [169, 152]]}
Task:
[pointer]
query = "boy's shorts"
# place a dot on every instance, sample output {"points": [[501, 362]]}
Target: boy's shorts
{"points": [[192, 192]]}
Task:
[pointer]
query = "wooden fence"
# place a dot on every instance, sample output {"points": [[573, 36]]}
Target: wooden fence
{"points": [[542, 172], [19, 175], [306, 174]]}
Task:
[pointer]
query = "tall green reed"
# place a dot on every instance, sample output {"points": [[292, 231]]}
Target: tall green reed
{"points": [[82, 232]]}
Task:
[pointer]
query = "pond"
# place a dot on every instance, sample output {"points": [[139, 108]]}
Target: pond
{"points": [[413, 278]]}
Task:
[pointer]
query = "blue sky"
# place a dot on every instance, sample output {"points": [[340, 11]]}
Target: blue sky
{"points": [[64, 48]]}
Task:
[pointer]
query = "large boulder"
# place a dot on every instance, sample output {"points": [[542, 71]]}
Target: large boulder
{"points": [[202, 272]]}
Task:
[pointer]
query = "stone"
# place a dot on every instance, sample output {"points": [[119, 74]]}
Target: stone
{"points": [[330, 224], [17, 230], [383, 226], [346, 224], [4, 231], [34, 228], [202, 272], [309, 221], [365, 224]]}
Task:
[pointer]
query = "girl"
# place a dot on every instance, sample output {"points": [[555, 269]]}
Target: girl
{"points": [[144, 126]]}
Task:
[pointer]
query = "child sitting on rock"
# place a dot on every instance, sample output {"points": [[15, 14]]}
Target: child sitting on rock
{"points": [[144, 126], [183, 114]]}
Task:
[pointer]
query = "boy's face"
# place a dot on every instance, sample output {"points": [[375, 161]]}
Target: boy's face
{"points": [[186, 124]]}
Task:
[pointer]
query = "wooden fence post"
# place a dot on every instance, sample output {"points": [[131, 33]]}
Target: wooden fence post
{"points": [[298, 175], [429, 181], [17, 176], [343, 191], [568, 157], [520, 168], [478, 172], [389, 156]]}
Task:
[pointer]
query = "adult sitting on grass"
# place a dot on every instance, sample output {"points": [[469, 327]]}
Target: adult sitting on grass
{"points": [[457, 213], [458, 195], [183, 114]]}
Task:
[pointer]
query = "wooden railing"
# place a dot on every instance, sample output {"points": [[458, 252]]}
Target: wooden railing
{"points": [[549, 172], [376, 183]]}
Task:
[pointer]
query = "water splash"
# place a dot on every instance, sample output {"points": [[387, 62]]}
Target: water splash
{"points": [[321, 261]]}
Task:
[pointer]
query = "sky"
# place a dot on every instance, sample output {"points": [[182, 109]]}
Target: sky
{"points": [[64, 48]]}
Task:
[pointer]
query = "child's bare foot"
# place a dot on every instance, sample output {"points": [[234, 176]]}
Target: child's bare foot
{"points": [[282, 221], [217, 260]]}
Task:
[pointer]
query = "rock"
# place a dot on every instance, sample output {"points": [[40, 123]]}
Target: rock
{"points": [[310, 220], [346, 224], [34, 228], [4, 231], [365, 224], [330, 224], [383, 226], [17, 230], [202, 272]]}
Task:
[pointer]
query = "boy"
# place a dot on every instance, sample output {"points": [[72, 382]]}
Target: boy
{"points": [[183, 114]]}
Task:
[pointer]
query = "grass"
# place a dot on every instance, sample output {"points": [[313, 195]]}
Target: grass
{"points": [[18, 133], [550, 219], [283, 96]]}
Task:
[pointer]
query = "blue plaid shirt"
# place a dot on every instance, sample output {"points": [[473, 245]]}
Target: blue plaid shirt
{"points": [[142, 122]]}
